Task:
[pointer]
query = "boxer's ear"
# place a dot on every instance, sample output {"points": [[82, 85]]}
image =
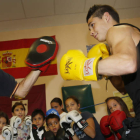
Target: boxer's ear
{"points": [[106, 16]]}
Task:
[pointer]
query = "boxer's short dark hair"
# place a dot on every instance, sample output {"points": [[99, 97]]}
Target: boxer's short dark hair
{"points": [[99, 10]]}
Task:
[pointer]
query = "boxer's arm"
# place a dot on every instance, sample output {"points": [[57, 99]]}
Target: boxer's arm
{"points": [[124, 58], [90, 129], [118, 83], [26, 84]]}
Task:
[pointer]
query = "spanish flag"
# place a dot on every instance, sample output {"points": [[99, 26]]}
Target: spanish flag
{"points": [[12, 58]]}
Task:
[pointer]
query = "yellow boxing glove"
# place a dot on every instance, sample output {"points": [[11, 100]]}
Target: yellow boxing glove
{"points": [[75, 66], [99, 50]]}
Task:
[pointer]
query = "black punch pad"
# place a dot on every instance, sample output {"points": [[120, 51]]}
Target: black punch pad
{"points": [[41, 52]]}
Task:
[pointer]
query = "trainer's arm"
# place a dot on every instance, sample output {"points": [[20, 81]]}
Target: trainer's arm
{"points": [[124, 57], [26, 84]]}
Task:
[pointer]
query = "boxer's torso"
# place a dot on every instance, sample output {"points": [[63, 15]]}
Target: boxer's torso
{"points": [[132, 81]]}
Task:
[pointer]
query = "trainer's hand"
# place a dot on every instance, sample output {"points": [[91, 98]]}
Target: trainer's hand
{"points": [[41, 53]]}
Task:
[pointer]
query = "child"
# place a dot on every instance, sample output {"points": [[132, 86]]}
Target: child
{"points": [[18, 109], [116, 103], [38, 119], [56, 103], [4, 120], [116, 108], [92, 128], [53, 124]]}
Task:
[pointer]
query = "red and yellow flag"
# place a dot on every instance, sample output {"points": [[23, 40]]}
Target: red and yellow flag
{"points": [[12, 58]]}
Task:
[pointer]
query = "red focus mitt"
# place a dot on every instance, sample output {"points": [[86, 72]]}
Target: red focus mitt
{"points": [[41, 53]]}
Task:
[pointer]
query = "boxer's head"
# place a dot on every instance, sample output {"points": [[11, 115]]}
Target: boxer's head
{"points": [[99, 10], [100, 19]]}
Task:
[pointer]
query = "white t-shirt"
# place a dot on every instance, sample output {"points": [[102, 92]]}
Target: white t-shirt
{"points": [[2, 138], [62, 114]]}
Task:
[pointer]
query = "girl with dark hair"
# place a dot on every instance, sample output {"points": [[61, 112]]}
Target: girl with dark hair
{"points": [[4, 120], [56, 103], [117, 113], [116, 103], [18, 109], [91, 130]]}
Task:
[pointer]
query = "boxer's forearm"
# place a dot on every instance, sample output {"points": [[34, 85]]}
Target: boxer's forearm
{"points": [[27, 83], [116, 65]]}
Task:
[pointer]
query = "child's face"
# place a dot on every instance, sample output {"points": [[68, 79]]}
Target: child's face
{"points": [[71, 105], [38, 120], [57, 107], [53, 125], [19, 111], [113, 105], [2, 123]]}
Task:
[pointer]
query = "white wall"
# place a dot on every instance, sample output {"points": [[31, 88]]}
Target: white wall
{"points": [[69, 37]]}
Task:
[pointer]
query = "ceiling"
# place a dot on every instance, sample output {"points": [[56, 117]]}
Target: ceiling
{"points": [[26, 14]]}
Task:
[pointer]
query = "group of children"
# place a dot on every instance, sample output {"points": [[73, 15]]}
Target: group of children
{"points": [[58, 118]]}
